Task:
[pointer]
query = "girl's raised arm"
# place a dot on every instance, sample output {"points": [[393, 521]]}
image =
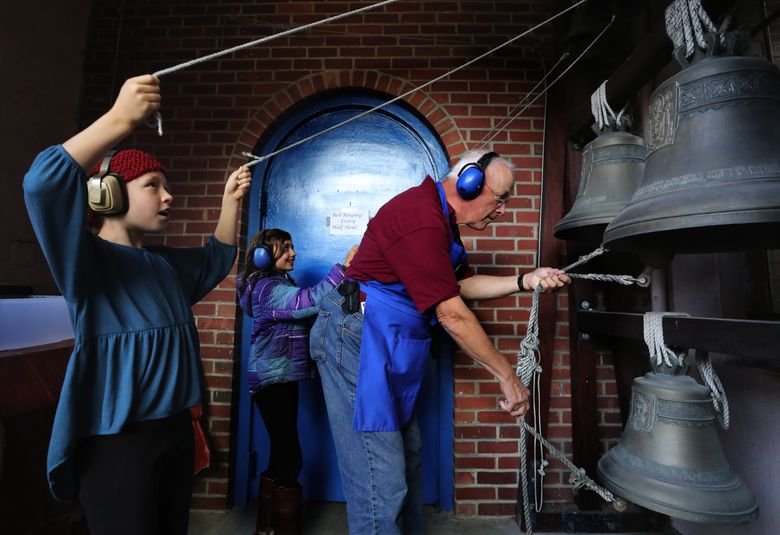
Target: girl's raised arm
{"points": [[236, 187], [138, 98]]}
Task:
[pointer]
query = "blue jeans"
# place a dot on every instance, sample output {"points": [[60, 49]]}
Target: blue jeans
{"points": [[380, 471]]}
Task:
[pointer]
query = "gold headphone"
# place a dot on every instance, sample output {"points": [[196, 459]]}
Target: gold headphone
{"points": [[106, 192]]}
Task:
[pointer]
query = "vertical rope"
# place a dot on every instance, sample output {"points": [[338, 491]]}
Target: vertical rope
{"points": [[528, 370], [524, 480], [719, 400]]}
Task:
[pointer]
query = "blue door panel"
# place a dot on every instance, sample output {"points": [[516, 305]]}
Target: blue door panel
{"points": [[360, 165]]}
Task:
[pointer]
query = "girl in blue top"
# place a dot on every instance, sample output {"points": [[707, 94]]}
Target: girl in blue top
{"points": [[279, 357], [122, 439]]}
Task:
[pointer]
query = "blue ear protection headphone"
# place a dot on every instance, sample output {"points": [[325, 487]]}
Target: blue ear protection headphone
{"points": [[262, 256], [471, 179]]}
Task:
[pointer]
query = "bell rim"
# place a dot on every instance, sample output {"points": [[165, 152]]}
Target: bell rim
{"points": [[741, 517], [639, 237]]}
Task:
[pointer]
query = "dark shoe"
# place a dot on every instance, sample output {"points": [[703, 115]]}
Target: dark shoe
{"points": [[286, 510], [264, 515]]}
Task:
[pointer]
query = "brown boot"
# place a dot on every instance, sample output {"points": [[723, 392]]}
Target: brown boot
{"points": [[286, 510], [263, 525]]}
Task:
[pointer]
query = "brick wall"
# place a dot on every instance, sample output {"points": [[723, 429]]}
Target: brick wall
{"points": [[214, 111]]}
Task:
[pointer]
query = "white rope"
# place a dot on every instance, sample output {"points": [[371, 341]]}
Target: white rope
{"points": [[529, 371], [686, 23], [603, 113], [567, 69], [579, 478], [507, 119], [157, 117], [257, 159], [719, 400], [269, 38], [654, 338]]}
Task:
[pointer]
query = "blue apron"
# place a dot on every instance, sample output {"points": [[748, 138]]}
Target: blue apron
{"points": [[394, 350]]}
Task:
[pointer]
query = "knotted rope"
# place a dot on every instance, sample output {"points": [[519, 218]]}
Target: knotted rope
{"points": [[686, 21], [528, 370]]}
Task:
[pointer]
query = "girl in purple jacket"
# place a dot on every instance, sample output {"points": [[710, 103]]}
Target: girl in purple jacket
{"points": [[279, 358]]}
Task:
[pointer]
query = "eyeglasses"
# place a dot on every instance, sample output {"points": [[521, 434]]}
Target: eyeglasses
{"points": [[501, 200]]}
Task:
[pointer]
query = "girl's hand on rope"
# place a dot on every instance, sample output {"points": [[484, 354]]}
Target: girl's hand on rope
{"points": [[551, 279], [238, 184], [138, 98], [516, 397]]}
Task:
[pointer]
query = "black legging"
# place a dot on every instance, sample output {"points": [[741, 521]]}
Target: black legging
{"points": [[278, 405], [139, 481]]}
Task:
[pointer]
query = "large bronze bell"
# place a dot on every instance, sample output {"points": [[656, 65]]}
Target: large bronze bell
{"points": [[669, 458], [712, 175], [612, 165]]}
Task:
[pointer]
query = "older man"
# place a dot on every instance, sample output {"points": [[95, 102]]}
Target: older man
{"points": [[412, 273]]}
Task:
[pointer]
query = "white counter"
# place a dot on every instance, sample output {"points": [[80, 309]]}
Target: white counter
{"points": [[33, 321]]}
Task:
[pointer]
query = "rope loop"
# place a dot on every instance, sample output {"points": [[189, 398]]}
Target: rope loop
{"points": [[661, 355], [719, 400], [604, 114], [687, 22]]}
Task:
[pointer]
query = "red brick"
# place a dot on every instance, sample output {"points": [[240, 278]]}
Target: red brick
{"points": [[496, 478], [475, 493], [462, 463]]}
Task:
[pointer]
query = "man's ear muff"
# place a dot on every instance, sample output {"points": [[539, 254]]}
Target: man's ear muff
{"points": [[106, 192], [262, 257], [471, 179]]}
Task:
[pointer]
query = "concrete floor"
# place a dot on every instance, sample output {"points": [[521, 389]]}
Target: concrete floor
{"points": [[327, 518], [331, 519]]}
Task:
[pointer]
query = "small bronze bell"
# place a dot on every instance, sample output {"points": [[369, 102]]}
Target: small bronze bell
{"points": [[712, 174], [669, 458], [612, 165]]}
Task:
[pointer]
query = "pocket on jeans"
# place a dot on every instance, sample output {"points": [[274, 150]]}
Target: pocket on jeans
{"points": [[317, 336], [353, 325]]}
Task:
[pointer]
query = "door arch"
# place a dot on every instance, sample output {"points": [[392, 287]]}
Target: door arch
{"points": [[358, 166]]}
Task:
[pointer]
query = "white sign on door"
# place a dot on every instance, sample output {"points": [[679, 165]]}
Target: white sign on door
{"points": [[348, 222]]}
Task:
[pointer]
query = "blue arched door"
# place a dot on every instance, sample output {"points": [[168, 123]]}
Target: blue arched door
{"points": [[320, 192]]}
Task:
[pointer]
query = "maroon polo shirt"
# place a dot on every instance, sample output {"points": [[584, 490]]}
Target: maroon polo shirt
{"points": [[408, 241]]}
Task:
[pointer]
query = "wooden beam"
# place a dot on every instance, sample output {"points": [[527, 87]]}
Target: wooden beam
{"points": [[755, 340]]}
